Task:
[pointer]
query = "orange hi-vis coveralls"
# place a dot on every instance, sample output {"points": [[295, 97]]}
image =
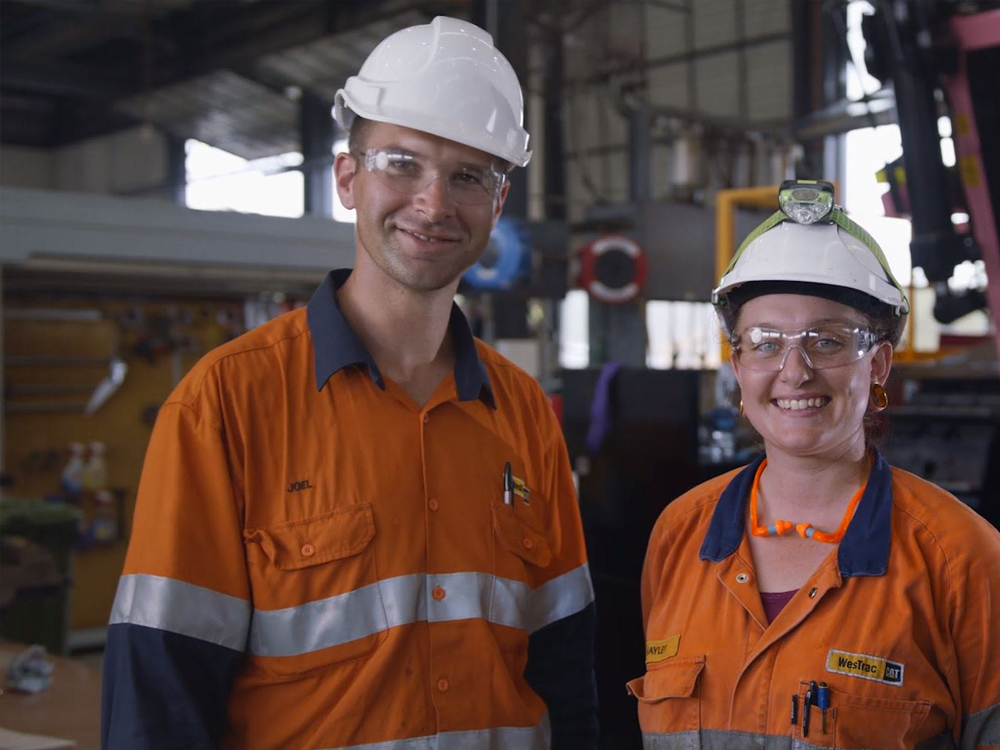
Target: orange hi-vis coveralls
{"points": [[317, 562], [901, 621]]}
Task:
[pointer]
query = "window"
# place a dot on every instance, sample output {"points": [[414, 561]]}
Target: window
{"points": [[220, 181]]}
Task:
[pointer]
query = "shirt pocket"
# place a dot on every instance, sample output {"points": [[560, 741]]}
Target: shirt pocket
{"points": [[669, 698], [854, 721], [316, 593], [521, 552], [518, 534]]}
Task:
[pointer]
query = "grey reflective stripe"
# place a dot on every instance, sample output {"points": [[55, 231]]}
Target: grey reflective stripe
{"points": [[201, 613], [708, 739], [672, 741], [509, 604], [981, 728], [368, 610], [506, 602], [514, 604], [407, 599], [715, 739], [500, 738], [319, 624], [561, 597], [467, 596], [183, 608]]}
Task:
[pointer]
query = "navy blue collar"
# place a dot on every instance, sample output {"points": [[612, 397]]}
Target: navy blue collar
{"points": [[336, 345], [864, 550]]}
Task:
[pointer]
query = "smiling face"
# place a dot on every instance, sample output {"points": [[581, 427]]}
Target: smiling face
{"points": [[798, 410], [421, 242]]}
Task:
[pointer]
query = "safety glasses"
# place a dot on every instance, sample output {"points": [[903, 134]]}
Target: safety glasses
{"points": [[411, 174], [821, 347]]}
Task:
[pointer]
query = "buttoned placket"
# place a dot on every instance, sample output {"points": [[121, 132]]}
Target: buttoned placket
{"points": [[443, 595], [737, 575], [435, 592], [437, 588]]}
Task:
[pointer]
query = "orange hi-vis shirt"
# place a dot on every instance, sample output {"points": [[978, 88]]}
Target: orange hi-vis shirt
{"points": [[901, 622], [317, 562]]}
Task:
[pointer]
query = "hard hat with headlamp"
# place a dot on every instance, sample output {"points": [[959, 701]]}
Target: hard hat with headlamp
{"points": [[445, 78], [810, 240]]}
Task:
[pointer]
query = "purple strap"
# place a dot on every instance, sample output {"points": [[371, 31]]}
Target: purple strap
{"points": [[600, 408]]}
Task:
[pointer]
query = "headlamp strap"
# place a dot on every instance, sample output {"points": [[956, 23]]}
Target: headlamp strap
{"points": [[770, 223], [836, 216]]}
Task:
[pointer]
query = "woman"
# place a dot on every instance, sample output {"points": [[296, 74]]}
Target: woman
{"points": [[818, 597]]}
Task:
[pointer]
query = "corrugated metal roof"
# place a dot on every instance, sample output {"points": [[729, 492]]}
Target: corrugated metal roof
{"points": [[322, 66], [223, 109], [253, 119]]}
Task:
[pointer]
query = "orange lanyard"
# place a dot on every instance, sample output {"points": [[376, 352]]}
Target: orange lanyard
{"points": [[806, 530]]}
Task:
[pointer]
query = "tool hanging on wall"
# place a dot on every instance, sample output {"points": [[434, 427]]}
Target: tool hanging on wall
{"points": [[107, 387]]}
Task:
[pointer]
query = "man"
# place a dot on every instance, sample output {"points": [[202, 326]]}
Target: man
{"points": [[329, 550]]}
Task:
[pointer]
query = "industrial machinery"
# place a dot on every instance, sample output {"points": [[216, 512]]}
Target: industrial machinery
{"points": [[942, 58]]}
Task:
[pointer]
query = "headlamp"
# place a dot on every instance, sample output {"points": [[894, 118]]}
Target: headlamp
{"points": [[806, 201]]}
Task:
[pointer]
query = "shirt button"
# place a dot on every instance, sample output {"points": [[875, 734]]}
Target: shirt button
{"points": [[813, 592], [438, 593], [528, 544], [433, 503], [742, 578], [443, 685], [308, 550], [427, 418]]}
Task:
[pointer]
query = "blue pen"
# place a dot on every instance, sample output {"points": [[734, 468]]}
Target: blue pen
{"points": [[508, 484], [823, 700]]}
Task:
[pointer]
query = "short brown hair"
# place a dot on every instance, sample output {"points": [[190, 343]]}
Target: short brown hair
{"points": [[357, 136]]}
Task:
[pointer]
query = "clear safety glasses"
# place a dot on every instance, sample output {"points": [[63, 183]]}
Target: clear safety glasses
{"points": [[821, 347], [411, 174]]}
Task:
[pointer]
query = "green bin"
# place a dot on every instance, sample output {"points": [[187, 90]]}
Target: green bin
{"points": [[34, 534]]}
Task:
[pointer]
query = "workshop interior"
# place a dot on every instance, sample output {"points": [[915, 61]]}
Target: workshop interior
{"points": [[166, 185]]}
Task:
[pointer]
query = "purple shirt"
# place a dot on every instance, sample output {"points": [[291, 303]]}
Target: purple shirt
{"points": [[775, 602]]}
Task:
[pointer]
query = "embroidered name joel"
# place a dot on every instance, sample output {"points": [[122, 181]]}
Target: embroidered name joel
{"points": [[299, 486]]}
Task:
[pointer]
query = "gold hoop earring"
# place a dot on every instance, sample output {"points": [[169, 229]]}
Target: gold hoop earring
{"points": [[741, 406], [879, 397]]}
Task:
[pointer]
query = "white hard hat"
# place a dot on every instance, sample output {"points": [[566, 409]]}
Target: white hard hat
{"points": [[444, 78], [836, 252]]}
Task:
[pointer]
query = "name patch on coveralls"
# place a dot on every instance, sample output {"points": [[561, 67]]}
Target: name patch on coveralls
{"points": [[866, 667], [660, 650]]}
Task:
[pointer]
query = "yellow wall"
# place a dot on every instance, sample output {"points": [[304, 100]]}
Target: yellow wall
{"points": [[119, 423]]}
